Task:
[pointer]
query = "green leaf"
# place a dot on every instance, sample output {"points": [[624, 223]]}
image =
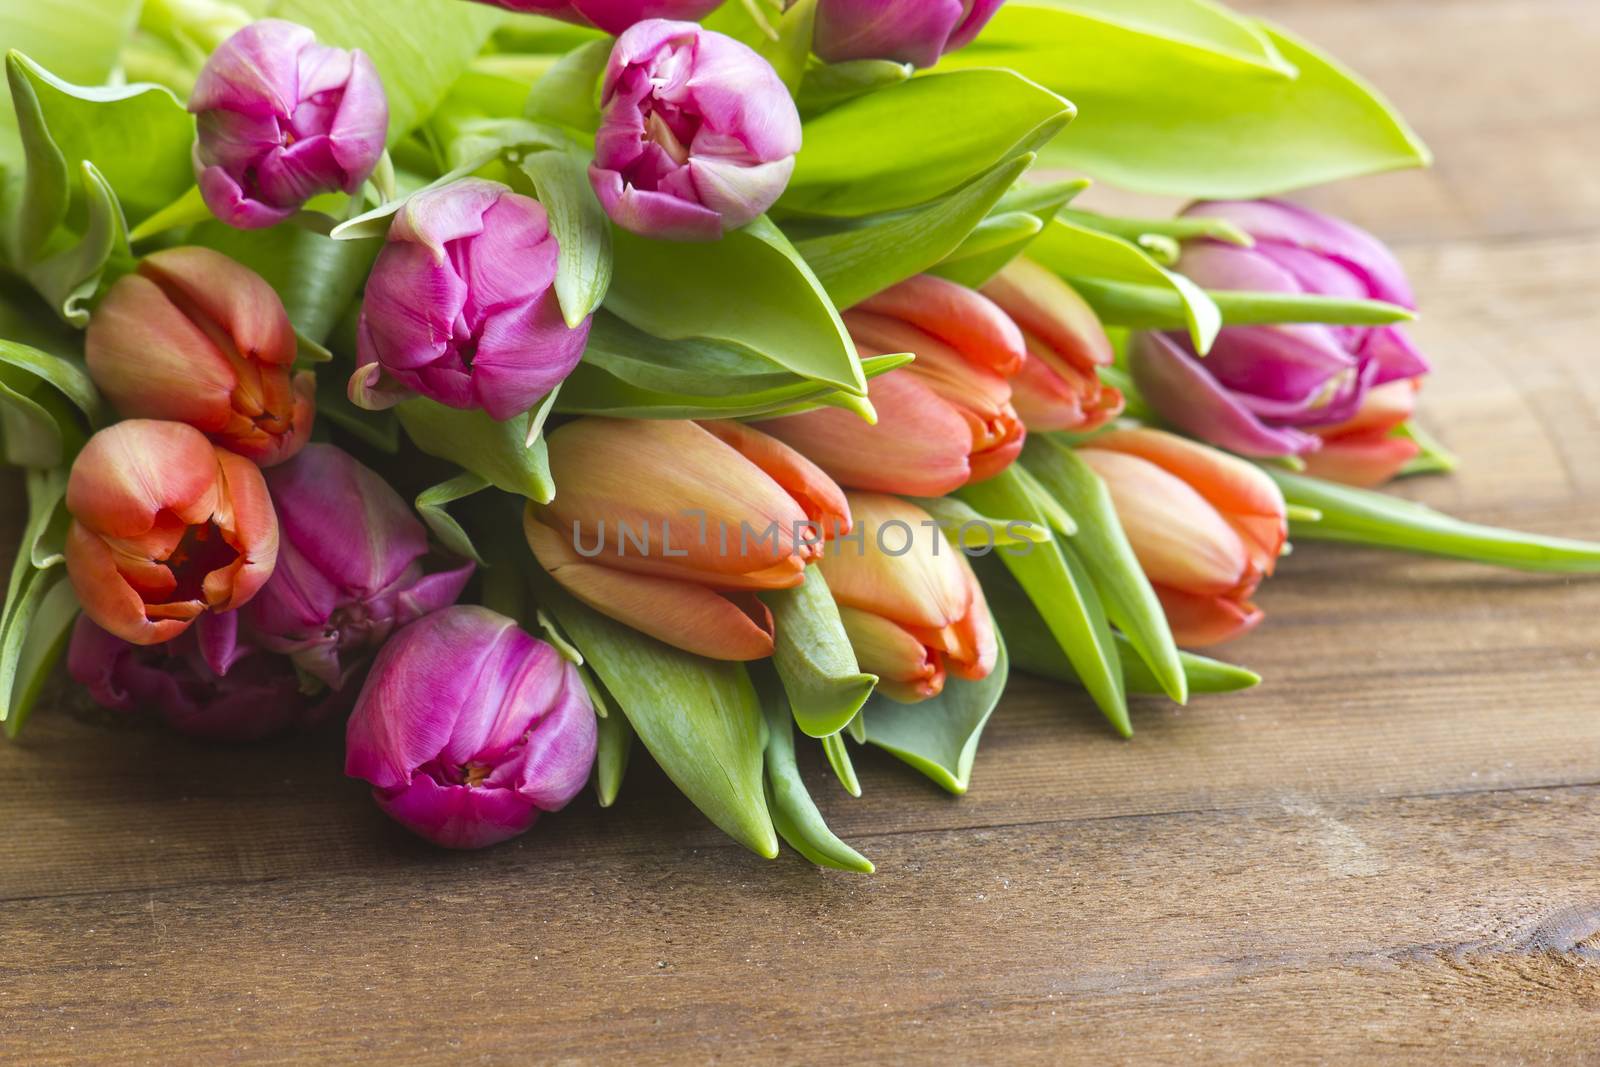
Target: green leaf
{"points": [[316, 276], [1180, 228], [855, 262], [794, 813], [1065, 598], [1145, 307], [431, 503], [1130, 601], [1434, 457], [62, 374], [419, 47], [614, 744], [569, 92], [915, 141], [826, 85], [1360, 516], [839, 759], [1021, 216], [975, 533], [380, 429], [813, 657], [779, 31], [47, 630], [751, 288], [81, 40], [699, 718], [1170, 110], [583, 272], [26, 619], [939, 736], [1074, 252], [508, 455]]}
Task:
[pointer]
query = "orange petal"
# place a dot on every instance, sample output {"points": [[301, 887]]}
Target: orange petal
{"points": [[963, 318], [1364, 460], [106, 596], [229, 294], [919, 447], [907, 669], [945, 369], [1382, 409], [129, 472], [249, 524], [818, 495], [1050, 309], [898, 565], [682, 614], [1180, 539], [1050, 393], [1199, 621]]}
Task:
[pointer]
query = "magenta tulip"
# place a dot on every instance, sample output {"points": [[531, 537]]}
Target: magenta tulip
{"points": [[205, 683], [280, 119], [697, 136], [613, 16], [460, 305], [350, 566], [1281, 390], [907, 31], [468, 728]]}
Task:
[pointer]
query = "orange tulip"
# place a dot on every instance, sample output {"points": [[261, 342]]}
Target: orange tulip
{"points": [[672, 527], [1059, 387], [165, 527], [1362, 451], [913, 616], [942, 421], [1206, 527], [193, 336]]}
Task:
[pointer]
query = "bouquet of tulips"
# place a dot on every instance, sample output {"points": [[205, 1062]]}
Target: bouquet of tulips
{"points": [[529, 384]]}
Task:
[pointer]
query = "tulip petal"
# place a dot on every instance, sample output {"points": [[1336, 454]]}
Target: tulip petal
{"points": [[1202, 621], [818, 496], [962, 318], [907, 669], [1365, 460], [901, 569]]}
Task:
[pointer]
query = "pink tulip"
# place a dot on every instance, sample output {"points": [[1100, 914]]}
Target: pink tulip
{"points": [[165, 527], [672, 527], [907, 31], [697, 136], [350, 566], [1206, 527], [280, 119], [460, 305], [910, 603], [193, 336], [468, 728], [613, 16], [944, 420], [1059, 387]]}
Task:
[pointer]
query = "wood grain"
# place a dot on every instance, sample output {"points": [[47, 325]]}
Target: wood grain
{"points": [[1390, 851]]}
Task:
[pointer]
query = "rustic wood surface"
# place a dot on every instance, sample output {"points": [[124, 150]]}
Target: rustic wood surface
{"points": [[1391, 849]]}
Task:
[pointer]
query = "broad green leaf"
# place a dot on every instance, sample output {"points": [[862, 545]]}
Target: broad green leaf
{"points": [[508, 455], [65, 375], [583, 273], [868, 257], [1146, 307], [430, 504], [78, 39], [751, 288], [699, 718], [794, 813], [1168, 110], [813, 657], [939, 736], [1011, 227], [316, 276], [1034, 651], [569, 92], [68, 279], [34, 573], [1201, 23], [826, 85], [1074, 252], [1130, 601], [915, 141], [1067, 601], [1361, 516], [419, 47]]}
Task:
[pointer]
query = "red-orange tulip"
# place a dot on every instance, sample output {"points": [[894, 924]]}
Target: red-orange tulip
{"points": [[193, 336], [1207, 527], [1059, 387], [165, 527], [673, 526], [910, 603], [942, 421], [1362, 450]]}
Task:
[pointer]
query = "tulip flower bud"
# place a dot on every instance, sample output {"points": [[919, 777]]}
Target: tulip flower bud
{"points": [[613, 16], [1280, 390], [909, 601], [945, 419], [460, 305], [907, 31], [468, 728], [672, 527], [697, 133], [350, 566], [193, 336], [1059, 386], [1206, 527], [203, 683], [165, 527], [280, 119]]}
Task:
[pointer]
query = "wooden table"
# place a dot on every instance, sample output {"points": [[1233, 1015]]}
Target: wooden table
{"points": [[1392, 848]]}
